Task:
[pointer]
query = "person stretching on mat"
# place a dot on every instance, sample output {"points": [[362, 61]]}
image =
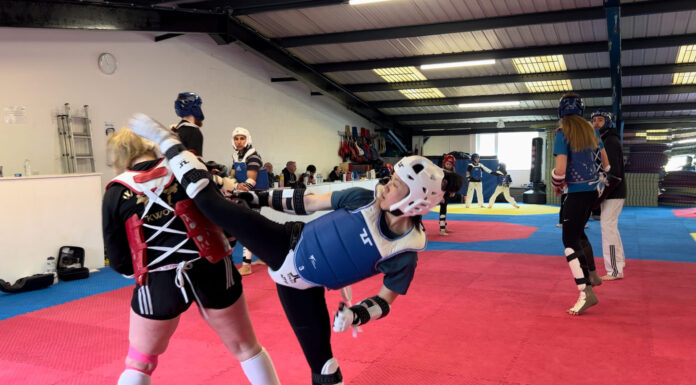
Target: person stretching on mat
{"points": [[154, 233], [577, 173], [367, 233]]}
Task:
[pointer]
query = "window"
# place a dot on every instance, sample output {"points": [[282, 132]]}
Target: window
{"points": [[512, 148]]}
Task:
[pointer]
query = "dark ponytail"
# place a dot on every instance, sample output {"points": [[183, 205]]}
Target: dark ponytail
{"points": [[452, 182]]}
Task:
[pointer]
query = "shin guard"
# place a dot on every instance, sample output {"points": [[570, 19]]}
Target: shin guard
{"points": [[579, 273], [259, 369]]}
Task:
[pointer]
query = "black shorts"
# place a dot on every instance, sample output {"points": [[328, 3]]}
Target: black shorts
{"points": [[217, 286]]}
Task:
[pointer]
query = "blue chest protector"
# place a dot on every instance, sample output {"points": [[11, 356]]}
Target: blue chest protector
{"points": [[344, 247], [240, 170], [476, 171], [504, 180], [582, 166]]}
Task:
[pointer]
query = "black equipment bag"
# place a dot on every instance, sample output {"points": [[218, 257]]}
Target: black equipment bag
{"points": [[71, 263], [34, 282]]}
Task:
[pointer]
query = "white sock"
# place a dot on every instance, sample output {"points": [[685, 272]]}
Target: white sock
{"points": [[133, 377], [575, 268], [259, 369]]}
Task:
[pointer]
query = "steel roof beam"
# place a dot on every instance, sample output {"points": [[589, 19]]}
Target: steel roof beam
{"points": [[536, 111], [521, 78], [588, 93], [561, 16], [506, 53]]}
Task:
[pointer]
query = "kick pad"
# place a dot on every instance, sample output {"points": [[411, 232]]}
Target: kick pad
{"points": [[467, 231], [499, 209]]}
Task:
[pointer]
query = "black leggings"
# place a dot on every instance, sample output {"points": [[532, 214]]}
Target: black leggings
{"points": [[269, 240], [306, 310], [576, 212]]}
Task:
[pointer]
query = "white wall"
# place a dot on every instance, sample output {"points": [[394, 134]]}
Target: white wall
{"points": [[438, 145], [42, 69]]}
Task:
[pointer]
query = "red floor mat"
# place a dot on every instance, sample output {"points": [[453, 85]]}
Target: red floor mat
{"points": [[469, 318], [470, 231], [687, 213]]}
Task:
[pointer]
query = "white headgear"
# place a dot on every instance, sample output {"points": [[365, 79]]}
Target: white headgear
{"points": [[241, 131], [424, 181]]}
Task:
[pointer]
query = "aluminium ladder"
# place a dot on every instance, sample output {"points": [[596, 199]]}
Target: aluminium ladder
{"points": [[75, 137]]}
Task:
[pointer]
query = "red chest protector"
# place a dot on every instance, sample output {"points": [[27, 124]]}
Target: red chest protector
{"points": [[211, 242]]}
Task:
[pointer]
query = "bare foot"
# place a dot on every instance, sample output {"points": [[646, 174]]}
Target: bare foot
{"points": [[245, 269], [587, 299]]}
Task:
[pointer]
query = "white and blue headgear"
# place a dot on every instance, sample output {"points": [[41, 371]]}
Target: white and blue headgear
{"points": [[570, 105], [608, 118], [188, 103], [424, 180], [242, 131]]}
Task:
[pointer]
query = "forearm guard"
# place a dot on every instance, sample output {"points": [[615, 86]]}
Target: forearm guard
{"points": [[290, 201], [369, 309]]}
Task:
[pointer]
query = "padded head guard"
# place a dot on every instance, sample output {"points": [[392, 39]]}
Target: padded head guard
{"points": [[424, 180], [475, 156], [570, 105], [242, 131], [608, 118], [448, 158], [188, 103], [501, 168]]}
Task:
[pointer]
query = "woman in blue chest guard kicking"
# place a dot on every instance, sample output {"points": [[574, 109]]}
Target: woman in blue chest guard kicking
{"points": [[369, 232]]}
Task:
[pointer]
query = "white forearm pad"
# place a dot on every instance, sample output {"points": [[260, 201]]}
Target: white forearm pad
{"points": [[190, 172], [290, 201], [369, 309]]}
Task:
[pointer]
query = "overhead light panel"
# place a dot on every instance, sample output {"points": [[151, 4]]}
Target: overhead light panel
{"points": [[470, 63], [549, 86], [685, 141], [358, 2], [536, 64], [400, 74], [684, 78], [686, 54], [423, 93], [490, 104]]}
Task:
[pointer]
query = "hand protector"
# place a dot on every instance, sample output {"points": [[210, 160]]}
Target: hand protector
{"points": [[343, 319], [150, 129], [255, 199], [558, 181]]}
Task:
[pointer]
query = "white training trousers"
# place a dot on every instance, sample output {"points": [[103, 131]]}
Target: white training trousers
{"points": [[612, 248], [470, 193], [506, 193]]}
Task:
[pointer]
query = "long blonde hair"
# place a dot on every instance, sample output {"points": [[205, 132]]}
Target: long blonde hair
{"points": [[124, 146], [578, 131]]}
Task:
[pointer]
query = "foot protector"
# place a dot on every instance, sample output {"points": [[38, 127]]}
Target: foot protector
{"points": [[587, 298], [330, 374]]}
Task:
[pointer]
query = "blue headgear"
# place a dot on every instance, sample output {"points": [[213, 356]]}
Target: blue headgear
{"points": [[475, 155], [608, 118], [568, 106], [501, 167], [188, 103]]}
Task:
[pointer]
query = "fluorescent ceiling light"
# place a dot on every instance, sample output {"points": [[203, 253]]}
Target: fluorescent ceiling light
{"points": [[549, 86], [357, 2], [536, 64], [470, 63], [490, 104], [684, 78], [683, 141], [423, 93], [687, 54], [400, 74]]}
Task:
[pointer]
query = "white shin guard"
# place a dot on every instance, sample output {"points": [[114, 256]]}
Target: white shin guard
{"points": [[134, 377], [575, 269], [259, 369]]}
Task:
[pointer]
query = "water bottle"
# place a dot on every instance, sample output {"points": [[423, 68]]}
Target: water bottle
{"points": [[281, 180], [27, 168]]}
